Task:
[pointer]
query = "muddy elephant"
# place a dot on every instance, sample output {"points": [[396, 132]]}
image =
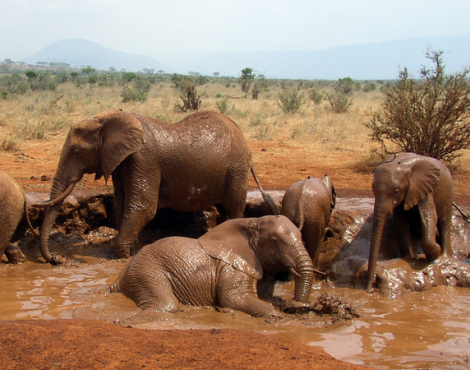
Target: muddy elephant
{"points": [[415, 189], [222, 268], [13, 206], [309, 204], [189, 166]]}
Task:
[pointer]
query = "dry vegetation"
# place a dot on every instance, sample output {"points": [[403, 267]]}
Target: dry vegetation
{"points": [[312, 141]]}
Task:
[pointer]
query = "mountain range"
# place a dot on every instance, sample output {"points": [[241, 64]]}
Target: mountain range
{"points": [[358, 61]]}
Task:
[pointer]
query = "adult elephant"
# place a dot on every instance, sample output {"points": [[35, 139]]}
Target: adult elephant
{"points": [[414, 188], [13, 206], [188, 166], [222, 268]]}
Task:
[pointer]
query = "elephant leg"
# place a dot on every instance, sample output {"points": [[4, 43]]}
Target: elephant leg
{"points": [[157, 295], [238, 291], [444, 226], [265, 286], [234, 199], [427, 209], [403, 230], [14, 254], [118, 200]]}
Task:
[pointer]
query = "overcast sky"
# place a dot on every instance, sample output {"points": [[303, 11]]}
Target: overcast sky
{"points": [[163, 29]]}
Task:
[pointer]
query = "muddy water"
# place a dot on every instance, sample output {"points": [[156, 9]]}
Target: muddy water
{"points": [[430, 329]]}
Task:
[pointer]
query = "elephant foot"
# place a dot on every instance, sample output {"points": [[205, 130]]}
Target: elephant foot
{"points": [[14, 254], [432, 252]]}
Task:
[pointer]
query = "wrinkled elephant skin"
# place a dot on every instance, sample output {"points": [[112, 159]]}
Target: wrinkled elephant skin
{"points": [[188, 166], [223, 267]]}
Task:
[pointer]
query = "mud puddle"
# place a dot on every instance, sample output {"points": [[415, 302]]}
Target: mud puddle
{"points": [[418, 330]]}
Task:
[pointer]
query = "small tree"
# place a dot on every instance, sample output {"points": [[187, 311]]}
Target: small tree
{"points": [[246, 79], [428, 116], [189, 96]]}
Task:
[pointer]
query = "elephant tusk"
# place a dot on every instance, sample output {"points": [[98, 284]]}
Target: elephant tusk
{"points": [[57, 200], [295, 273]]}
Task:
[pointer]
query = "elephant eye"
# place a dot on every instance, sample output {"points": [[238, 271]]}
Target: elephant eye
{"points": [[274, 241]]}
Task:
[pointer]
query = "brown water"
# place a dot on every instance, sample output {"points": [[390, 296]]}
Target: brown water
{"points": [[425, 330]]}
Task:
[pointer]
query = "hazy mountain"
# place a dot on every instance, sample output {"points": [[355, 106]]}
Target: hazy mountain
{"points": [[359, 61], [79, 52]]}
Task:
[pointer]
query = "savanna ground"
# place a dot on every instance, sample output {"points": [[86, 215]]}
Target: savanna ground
{"points": [[286, 148]]}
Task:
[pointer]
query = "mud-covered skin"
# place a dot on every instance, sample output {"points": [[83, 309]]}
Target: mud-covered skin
{"points": [[12, 207], [416, 190], [309, 204], [222, 268], [188, 166]]}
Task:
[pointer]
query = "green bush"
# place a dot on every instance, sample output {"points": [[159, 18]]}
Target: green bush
{"points": [[429, 115], [222, 105], [315, 96], [291, 99], [188, 94]]}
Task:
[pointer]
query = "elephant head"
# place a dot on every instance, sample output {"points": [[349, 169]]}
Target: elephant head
{"points": [[97, 146], [403, 180], [270, 243]]}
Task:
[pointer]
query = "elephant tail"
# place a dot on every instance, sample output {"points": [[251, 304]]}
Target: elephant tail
{"points": [[28, 221], [273, 206]]}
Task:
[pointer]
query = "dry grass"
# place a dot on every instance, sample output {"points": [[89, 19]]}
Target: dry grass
{"points": [[314, 130]]}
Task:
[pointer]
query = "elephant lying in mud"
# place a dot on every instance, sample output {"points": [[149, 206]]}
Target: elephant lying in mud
{"points": [[309, 204], [189, 166], [415, 189], [222, 268], [13, 206]]}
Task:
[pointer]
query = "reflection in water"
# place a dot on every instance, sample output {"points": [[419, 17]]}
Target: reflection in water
{"points": [[430, 329]]}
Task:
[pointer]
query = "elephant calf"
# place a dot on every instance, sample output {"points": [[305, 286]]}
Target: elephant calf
{"points": [[12, 207], [309, 204], [222, 268]]}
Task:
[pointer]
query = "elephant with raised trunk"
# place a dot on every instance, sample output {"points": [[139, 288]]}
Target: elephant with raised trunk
{"points": [[13, 207], [413, 188], [222, 268], [309, 204], [189, 166]]}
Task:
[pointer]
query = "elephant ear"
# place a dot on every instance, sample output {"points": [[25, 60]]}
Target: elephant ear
{"points": [[331, 189], [121, 135], [232, 243], [424, 178]]}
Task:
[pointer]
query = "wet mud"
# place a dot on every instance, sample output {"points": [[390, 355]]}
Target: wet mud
{"points": [[418, 316]]}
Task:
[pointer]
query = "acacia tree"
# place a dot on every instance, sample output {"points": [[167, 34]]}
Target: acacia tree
{"points": [[428, 116]]}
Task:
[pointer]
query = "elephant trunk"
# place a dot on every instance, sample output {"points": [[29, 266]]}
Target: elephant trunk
{"points": [[380, 215], [304, 280], [57, 192]]}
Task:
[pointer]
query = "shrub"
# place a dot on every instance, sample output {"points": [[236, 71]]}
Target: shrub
{"points": [[290, 100], [428, 116], [315, 96], [191, 100], [130, 94], [222, 105]]}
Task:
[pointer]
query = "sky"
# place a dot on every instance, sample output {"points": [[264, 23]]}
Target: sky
{"points": [[175, 29]]}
